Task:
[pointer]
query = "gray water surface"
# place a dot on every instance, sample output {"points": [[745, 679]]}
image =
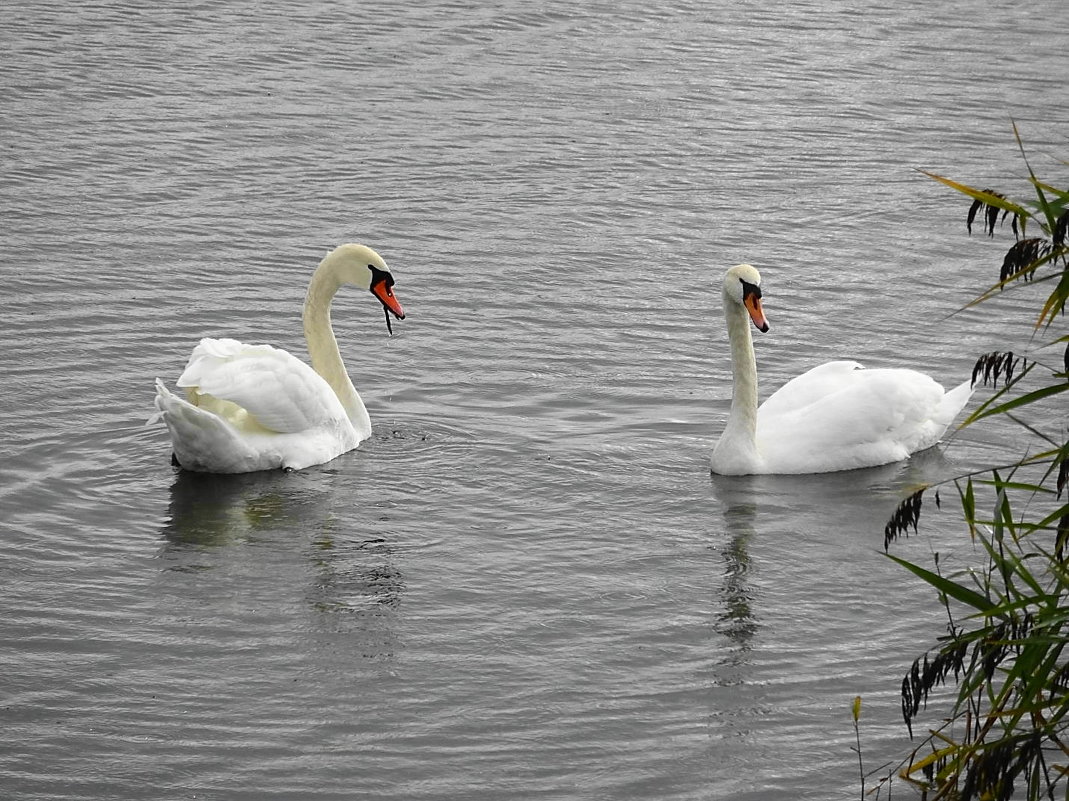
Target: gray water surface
{"points": [[526, 584]]}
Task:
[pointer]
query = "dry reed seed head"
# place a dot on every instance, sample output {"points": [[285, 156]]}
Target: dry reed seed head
{"points": [[926, 674], [929, 770], [1061, 229], [911, 704], [906, 516], [992, 650], [989, 774], [995, 365], [1061, 679], [1022, 258], [990, 214], [1062, 538]]}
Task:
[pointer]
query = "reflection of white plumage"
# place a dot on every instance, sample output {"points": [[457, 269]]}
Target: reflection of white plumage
{"points": [[837, 416], [255, 407]]}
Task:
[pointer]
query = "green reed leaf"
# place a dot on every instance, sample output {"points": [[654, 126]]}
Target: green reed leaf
{"points": [[1021, 400], [949, 588]]}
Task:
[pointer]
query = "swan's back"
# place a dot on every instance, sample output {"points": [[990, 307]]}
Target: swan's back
{"points": [[273, 387], [839, 416]]}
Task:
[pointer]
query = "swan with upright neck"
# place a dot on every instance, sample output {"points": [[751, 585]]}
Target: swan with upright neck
{"points": [[837, 416], [257, 407]]}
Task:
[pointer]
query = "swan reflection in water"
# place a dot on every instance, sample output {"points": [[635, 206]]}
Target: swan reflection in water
{"points": [[737, 621], [354, 570], [857, 502], [210, 511]]}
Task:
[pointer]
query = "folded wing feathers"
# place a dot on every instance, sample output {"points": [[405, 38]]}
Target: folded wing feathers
{"points": [[280, 391], [859, 415]]}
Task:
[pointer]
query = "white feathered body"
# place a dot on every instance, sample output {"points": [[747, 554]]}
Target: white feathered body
{"points": [[839, 416], [256, 407]]}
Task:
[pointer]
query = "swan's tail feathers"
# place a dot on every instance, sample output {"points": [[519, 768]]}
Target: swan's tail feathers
{"points": [[161, 389], [953, 402], [202, 441]]}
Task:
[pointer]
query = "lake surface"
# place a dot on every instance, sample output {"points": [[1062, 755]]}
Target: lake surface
{"points": [[526, 584]]}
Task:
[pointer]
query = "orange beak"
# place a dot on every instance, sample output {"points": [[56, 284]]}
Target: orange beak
{"points": [[385, 294], [753, 305]]}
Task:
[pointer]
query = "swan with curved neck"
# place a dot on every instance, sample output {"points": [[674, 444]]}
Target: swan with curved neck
{"points": [[256, 407], [837, 416]]}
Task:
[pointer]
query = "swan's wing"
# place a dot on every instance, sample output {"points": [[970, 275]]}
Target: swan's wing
{"points": [[809, 387], [278, 390], [852, 418]]}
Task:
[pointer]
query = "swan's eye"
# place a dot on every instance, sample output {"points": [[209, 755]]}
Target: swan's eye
{"points": [[380, 276], [749, 289]]}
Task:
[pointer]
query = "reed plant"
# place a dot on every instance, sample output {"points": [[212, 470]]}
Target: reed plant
{"points": [[1002, 732]]}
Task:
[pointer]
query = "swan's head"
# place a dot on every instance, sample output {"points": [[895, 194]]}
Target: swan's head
{"points": [[361, 266], [742, 284]]}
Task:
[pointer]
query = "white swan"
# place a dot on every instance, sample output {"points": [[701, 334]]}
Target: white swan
{"points": [[837, 416], [255, 407]]}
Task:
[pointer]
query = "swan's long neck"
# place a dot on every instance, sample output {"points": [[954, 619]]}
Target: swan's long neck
{"points": [[322, 345], [740, 433]]}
